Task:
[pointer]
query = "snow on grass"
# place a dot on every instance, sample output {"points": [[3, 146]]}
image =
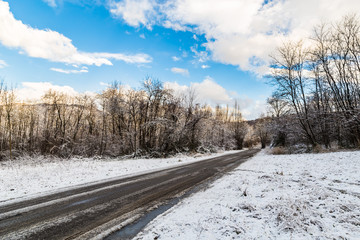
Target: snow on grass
{"points": [[305, 196], [28, 177]]}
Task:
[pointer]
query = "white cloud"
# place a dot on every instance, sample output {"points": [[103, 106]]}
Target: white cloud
{"points": [[181, 71], [142, 36], [200, 56], [212, 93], [207, 91], [175, 26], [3, 64], [51, 3], [33, 91], [204, 66], [137, 58], [68, 71], [245, 32], [104, 84], [178, 89], [252, 109], [51, 45], [134, 12], [175, 59]]}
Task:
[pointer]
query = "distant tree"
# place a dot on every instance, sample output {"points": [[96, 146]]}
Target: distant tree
{"points": [[277, 106], [8, 99], [239, 126], [262, 130]]}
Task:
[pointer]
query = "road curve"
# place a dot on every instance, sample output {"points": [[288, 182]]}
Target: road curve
{"points": [[88, 211]]}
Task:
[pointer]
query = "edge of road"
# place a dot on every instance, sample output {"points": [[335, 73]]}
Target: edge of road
{"points": [[143, 216], [5, 203]]}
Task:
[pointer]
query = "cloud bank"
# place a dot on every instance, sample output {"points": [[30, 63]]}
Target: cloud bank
{"points": [[51, 45], [211, 93], [33, 91], [238, 32]]}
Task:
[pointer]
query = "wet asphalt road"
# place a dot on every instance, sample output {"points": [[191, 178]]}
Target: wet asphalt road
{"points": [[90, 211]]}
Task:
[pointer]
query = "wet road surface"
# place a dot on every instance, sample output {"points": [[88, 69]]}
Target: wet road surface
{"points": [[94, 211]]}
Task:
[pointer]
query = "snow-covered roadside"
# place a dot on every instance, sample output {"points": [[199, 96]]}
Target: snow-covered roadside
{"points": [[28, 177], [306, 196]]}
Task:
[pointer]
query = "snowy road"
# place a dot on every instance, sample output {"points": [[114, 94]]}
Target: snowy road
{"points": [[92, 210]]}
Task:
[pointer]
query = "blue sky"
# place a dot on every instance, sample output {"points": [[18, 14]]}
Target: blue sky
{"points": [[220, 47]]}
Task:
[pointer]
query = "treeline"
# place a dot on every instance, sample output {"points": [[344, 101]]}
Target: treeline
{"points": [[151, 121], [317, 97]]}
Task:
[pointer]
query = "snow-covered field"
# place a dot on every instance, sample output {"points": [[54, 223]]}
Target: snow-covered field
{"points": [[29, 177], [306, 196]]}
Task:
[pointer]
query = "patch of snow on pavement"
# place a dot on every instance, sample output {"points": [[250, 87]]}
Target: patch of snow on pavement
{"points": [[305, 196], [29, 177]]}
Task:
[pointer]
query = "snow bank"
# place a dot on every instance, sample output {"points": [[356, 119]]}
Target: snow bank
{"points": [[28, 177], [305, 196]]}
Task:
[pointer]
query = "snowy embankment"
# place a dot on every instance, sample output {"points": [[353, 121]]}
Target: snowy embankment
{"points": [[306, 196], [29, 177]]}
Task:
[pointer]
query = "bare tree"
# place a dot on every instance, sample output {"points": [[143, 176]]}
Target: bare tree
{"points": [[289, 76], [8, 99], [239, 126]]}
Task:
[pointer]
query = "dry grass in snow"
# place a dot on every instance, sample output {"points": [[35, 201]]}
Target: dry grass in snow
{"points": [[305, 196]]}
